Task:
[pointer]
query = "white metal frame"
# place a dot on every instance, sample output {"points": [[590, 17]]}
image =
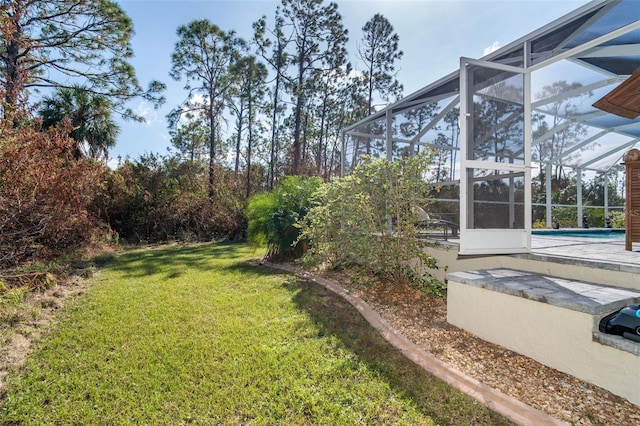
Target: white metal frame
{"points": [[521, 53], [493, 241]]}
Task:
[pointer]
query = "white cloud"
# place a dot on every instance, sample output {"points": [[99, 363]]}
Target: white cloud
{"points": [[191, 107], [147, 112], [197, 99], [489, 49], [355, 73], [113, 163]]}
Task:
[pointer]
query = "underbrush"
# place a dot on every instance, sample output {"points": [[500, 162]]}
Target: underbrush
{"points": [[15, 308], [362, 277], [22, 288]]}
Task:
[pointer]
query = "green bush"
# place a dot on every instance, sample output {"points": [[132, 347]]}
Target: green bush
{"points": [[539, 224], [617, 219], [595, 216], [273, 216], [566, 216], [367, 221]]}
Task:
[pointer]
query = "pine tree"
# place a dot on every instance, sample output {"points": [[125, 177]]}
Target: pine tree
{"points": [[62, 43], [203, 56], [319, 40], [277, 60], [379, 51], [249, 90]]}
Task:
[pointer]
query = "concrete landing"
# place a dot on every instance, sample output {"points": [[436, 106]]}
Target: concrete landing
{"points": [[590, 298]]}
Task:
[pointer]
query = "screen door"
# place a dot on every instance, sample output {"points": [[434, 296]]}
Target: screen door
{"points": [[495, 183]]}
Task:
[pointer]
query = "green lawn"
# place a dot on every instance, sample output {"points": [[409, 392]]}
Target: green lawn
{"points": [[201, 334]]}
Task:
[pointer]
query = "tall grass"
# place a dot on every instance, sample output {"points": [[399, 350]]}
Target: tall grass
{"points": [[201, 334]]}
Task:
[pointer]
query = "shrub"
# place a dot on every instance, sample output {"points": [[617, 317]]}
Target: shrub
{"points": [[157, 199], [44, 193], [539, 224], [273, 216], [367, 220], [617, 219], [566, 216], [595, 217]]}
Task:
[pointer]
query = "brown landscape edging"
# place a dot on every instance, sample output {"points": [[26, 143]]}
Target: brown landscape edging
{"points": [[511, 408]]}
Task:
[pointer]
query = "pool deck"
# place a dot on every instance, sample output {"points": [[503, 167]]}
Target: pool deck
{"points": [[607, 253], [604, 253]]}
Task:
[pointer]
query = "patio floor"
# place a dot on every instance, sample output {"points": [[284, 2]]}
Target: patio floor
{"points": [[606, 252]]}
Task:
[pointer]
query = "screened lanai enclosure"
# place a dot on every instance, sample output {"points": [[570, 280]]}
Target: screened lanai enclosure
{"points": [[508, 123]]}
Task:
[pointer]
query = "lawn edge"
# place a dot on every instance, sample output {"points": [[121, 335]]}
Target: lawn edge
{"points": [[511, 408]]}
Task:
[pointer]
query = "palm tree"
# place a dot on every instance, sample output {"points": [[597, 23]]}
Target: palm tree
{"points": [[93, 129]]}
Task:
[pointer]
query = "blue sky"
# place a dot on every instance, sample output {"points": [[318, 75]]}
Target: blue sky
{"points": [[433, 36]]}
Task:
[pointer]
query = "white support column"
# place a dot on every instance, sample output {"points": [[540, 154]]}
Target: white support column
{"points": [[512, 200], [528, 133], [579, 196], [606, 195], [547, 179], [463, 124], [389, 135], [389, 156], [512, 203]]}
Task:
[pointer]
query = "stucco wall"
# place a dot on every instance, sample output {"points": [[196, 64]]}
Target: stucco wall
{"points": [[449, 261], [557, 337]]}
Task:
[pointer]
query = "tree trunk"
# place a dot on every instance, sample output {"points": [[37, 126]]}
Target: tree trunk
{"points": [[212, 154], [296, 137], [249, 143], [274, 125], [305, 145], [299, 106], [239, 138], [321, 136]]}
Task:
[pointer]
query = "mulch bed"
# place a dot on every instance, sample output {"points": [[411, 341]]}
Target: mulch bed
{"points": [[422, 320]]}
